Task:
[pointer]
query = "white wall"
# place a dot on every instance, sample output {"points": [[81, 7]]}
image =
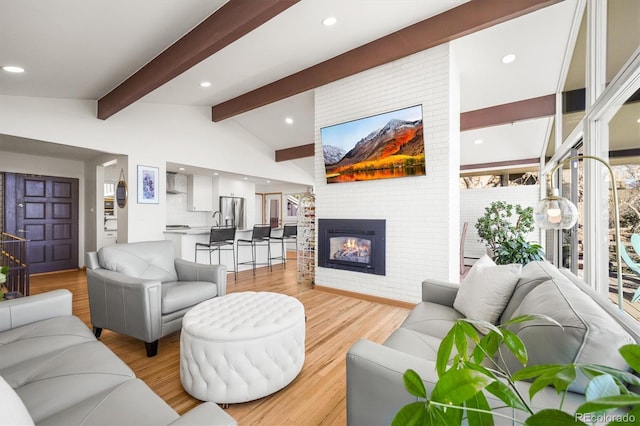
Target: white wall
{"points": [[474, 201], [143, 134], [422, 213]]}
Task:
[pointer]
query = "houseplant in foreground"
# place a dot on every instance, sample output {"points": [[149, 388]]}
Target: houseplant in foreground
{"points": [[503, 228], [465, 379]]}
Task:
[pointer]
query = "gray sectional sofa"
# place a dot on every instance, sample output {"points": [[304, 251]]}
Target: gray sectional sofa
{"points": [[593, 330], [53, 371]]}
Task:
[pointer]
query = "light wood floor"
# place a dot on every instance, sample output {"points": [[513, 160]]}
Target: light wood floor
{"points": [[315, 397]]}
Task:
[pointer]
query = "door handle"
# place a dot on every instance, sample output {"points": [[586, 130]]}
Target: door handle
{"points": [[22, 231], [20, 205]]}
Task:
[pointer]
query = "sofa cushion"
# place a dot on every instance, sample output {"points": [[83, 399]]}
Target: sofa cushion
{"points": [[12, 409], [57, 380], [589, 335], [129, 403], [184, 294], [533, 274], [150, 260], [414, 343], [40, 338], [432, 319], [486, 290]]}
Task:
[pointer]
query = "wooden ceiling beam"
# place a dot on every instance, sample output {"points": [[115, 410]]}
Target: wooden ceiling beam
{"points": [[542, 106], [233, 20], [465, 19], [295, 152]]}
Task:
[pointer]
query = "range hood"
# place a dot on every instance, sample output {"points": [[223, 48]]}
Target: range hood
{"points": [[171, 184]]}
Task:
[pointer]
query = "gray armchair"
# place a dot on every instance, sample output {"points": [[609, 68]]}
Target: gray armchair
{"points": [[143, 291]]}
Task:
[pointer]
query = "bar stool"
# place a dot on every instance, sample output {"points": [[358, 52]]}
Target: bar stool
{"points": [[259, 237], [289, 235], [220, 239]]}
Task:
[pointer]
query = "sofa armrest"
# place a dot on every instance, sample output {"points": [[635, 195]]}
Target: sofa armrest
{"points": [[207, 413], [440, 292], [375, 389], [191, 271], [125, 304], [25, 310]]}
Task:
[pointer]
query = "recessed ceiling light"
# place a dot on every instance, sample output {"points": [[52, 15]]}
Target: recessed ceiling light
{"points": [[246, 178], [507, 59], [13, 69], [205, 84], [638, 120], [331, 20], [215, 173], [268, 181], [288, 120], [478, 141], [180, 168]]}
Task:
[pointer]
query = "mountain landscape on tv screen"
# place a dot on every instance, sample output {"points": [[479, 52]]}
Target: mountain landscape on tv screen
{"points": [[396, 150]]}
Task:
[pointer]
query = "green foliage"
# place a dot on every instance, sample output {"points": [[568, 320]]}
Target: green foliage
{"points": [[470, 373], [518, 250], [503, 227]]}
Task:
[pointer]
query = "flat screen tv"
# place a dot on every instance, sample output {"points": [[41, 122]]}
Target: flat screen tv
{"points": [[388, 145]]}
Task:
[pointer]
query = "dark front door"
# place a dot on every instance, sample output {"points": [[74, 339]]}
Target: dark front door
{"points": [[44, 210]]}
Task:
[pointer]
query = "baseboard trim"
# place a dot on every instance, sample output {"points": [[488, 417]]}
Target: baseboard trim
{"points": [[367, 297]]}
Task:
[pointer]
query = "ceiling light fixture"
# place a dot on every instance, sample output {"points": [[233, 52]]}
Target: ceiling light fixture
{"points": [[181, 168], [13, 69], [246, 178], [331, 20], [205, 84], [288, 120], [215, 173], [478, 141], [507, 59]]}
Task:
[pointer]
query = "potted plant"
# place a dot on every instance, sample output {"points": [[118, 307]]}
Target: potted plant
{"points": [[466, 378], [503, 227]]}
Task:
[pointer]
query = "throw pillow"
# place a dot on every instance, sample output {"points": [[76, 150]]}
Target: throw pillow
{"points": [[12, 409], [486, 290]]}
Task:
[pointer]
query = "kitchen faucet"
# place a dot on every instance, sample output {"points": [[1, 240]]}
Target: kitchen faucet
{"points": [[214, 216]]}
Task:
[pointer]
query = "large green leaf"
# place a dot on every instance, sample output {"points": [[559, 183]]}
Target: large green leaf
{"points": [[609, 402], [457, 386], [488, 346], [623, 376], [516, 346], [559, 378], [469, 330], [414, 414], [533, 371], [413, 383], [552, 417], [478, 418], [461, 340], [482, 324], [444, 352], [600, 387], [631, 354], [531, 317], [506, 395]]}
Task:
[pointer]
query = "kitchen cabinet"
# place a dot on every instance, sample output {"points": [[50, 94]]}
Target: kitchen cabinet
{"points": [[199, 193], [109, 238]]}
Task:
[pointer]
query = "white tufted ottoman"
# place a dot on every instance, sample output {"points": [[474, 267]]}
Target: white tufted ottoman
{"points": [[242, 346]]}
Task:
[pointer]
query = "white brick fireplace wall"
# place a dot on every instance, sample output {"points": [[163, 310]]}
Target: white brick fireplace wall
{"points": [[422, 213]]}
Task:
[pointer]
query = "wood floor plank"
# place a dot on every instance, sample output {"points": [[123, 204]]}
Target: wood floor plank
{"points": [[315, 397]]}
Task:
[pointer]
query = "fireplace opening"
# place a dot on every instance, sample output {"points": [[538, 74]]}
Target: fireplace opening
{"points": [[352, 244]]}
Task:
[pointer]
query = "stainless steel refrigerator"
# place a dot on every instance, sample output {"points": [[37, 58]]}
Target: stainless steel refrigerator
{"points": [[232, 212]]}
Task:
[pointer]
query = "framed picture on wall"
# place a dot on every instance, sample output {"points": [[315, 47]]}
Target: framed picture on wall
{"points": [[148, 190]]}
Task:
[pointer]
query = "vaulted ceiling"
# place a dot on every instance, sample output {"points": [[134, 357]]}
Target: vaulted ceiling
{"points": [[264, 58]]}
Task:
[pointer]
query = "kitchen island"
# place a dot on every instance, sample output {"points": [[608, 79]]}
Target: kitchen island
{"points": [[185, 241]]}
